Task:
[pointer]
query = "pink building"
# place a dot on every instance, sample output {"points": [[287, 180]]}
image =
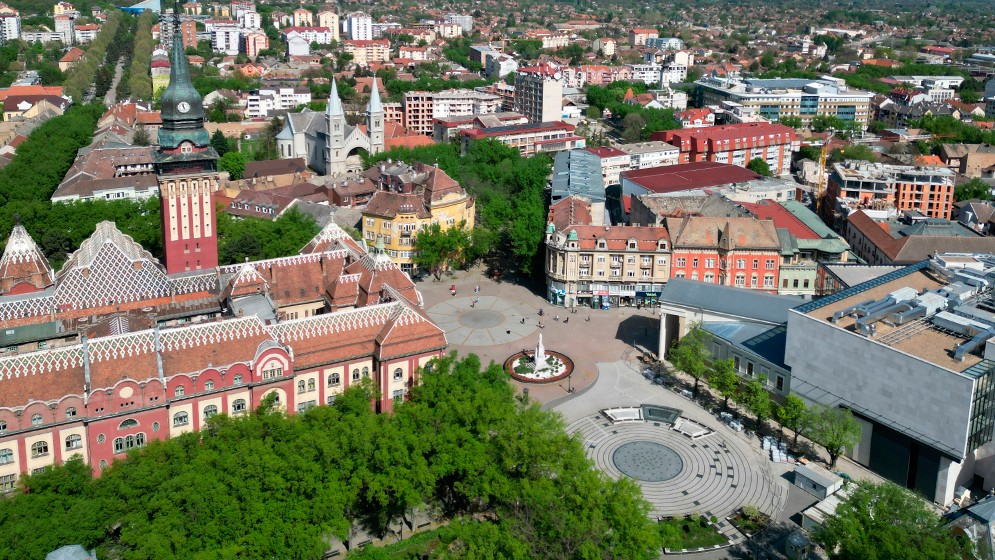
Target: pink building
{"points": [[255, 42]]}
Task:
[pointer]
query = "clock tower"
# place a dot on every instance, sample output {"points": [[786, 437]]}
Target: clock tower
{"points": [[187, 168]]}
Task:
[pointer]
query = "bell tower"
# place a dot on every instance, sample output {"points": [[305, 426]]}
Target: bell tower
{"points": [[187, 169]]}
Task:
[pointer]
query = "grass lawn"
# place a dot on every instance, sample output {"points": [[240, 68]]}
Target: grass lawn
{"points": [[683, 533], [248, 147], [428, 544]]}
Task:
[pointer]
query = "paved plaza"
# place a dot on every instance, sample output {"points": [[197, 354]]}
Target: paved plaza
{"points": [[490, 321]]}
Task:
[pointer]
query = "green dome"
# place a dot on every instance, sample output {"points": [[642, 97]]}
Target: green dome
{"points": [[550, 228], [179, 126], [572, 236]]}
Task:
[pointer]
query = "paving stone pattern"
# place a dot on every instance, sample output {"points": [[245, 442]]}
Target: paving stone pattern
{"points": [[717, 478], [491, 321], [647, 461]]}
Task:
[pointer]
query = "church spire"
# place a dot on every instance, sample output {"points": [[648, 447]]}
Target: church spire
{"points": [[334, 103], [182, 106], [375, 106]]}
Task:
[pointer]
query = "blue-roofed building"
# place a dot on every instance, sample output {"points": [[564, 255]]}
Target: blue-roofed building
{"points": [[577, 172], [747, 326]]}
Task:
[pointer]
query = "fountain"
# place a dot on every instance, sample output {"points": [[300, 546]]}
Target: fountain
{"points": [[539, 365]]}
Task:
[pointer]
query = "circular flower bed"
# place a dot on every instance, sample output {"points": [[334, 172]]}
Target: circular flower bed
{"points": [[520, 367]]}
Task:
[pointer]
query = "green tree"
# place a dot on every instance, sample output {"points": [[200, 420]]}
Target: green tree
{"points": [[857, 151], [690, 355], [220, 143], [835, 429], [593, 112], [973, 189], [793, 122], [756, 399], [794, 415], [724, 380], [437, 248], [885, 521], [759, 166], [141, 136], [233, 163], [632, 127]]}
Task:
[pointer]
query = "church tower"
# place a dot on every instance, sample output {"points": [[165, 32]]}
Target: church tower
{"points": [[335, 119], [187, 168], [375, 120]]}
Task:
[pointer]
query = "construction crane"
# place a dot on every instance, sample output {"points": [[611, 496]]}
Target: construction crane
{"points": [[823, 155]]}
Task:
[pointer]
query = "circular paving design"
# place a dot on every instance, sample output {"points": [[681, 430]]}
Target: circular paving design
{"points": [[480, 318], [491, 321], [718, 475], [647, 461]]}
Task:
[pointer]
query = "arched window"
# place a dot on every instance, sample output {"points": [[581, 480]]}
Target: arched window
{"points": [[355, 374], [237, 380], [39, 448], [118, 445], [209, 386], [36, 420], [398, 374], [178, 391], [310, 385], [238, 406], [74, 441], [366, 372], [129, 423], [6, 456], [300, 386], [333, 379], [71, 412], [3, 427], [210, 410], [181, 419], [139, 440]]}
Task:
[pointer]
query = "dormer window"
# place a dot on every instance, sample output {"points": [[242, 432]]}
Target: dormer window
{"points": [[662, 245], [601, 244], [632, 244]]}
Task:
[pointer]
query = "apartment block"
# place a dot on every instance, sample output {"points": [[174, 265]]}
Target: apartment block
{"points": [[539, 93], [227, 40], [929, 190], [639, 35], [421, 108], [367, 52], [736, 144], [359, 26], [530, 139], [778, 98], [329, 19]]}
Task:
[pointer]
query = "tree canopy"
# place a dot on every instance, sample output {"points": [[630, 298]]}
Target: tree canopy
{"points": [[887, 522], [835, 429], [268, 485], [690, 355], [759, 166], [973, 189]]}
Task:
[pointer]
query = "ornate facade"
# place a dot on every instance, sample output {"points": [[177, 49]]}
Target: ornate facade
{"points": [[139, 354]]}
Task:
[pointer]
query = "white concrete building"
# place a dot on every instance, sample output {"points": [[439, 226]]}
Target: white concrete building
{"points": [[250, 20], [320, 35], [605, 44], [463, 20], [359, 26], [226, 39], [264, 102], [10, 27], [500, 65], [643, 155], [330, 19]]}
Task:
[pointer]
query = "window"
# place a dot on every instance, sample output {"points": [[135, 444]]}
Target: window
{"points": [[694, 262], [3, 427], [129, 423], [310, 385], [39, 448], [209, 386], [275, 372], [330, 400], [333, 379], [119, 445], [753, 281], [6, 456], [178, 391], [398, 374], [71, 412], [74, 441], [155, 426], [795, 283], [740, 263], [36, 420], [237, 380], [805, 283], [238, 406], [740, 280], [749, 369], [355, 374], [694, 274], [7, 482], [735, 360], [780, 383], [709, 277], [768, 281], [784, 283], [300, 386], [770, 264], [181, 419], [756, 263], [101, 438], [103, 464], [710, 263], [210, 410], [680, 261], [397, 396]]}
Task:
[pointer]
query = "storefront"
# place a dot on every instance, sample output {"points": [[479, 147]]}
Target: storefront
{"points": [[647, 298], [602, 300], [556, 293]]}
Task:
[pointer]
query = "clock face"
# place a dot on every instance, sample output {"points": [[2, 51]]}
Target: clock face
{"points": [[183, 107]]}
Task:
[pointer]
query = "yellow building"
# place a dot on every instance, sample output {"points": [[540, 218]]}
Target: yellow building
{"points": [[408, 199]]}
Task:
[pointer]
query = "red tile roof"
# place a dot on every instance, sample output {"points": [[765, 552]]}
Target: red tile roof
{"points": [[606, 152], [771, 210], [617, 237], [689, 176]]}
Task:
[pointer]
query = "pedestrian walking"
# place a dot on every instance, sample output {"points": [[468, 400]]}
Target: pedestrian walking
{"points": [[523, 320], [476, 289], [567, 320]]}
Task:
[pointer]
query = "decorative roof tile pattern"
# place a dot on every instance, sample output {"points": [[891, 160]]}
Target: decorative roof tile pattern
{"points": [[22, 261]]}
